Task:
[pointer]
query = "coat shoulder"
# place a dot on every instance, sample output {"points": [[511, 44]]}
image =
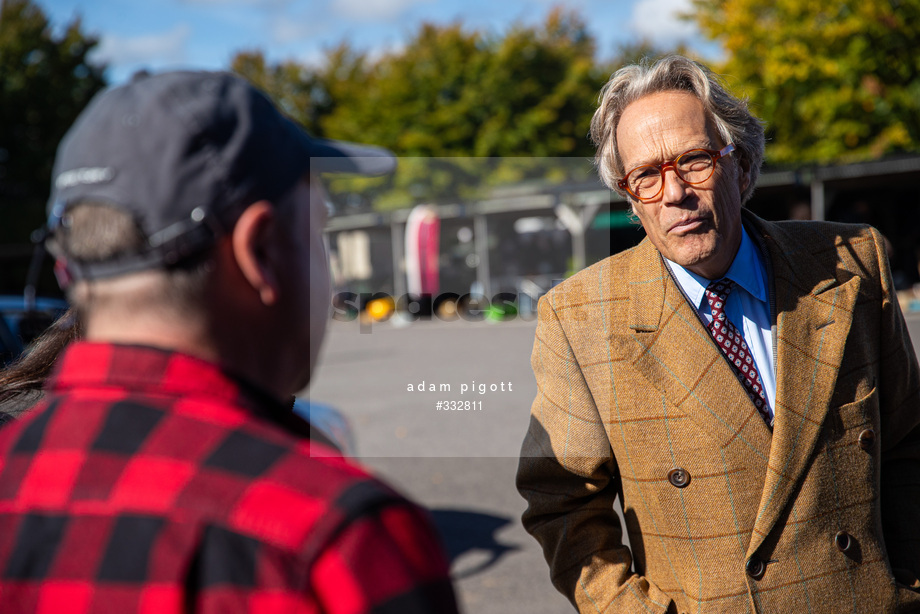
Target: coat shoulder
{"points": [[822, 235], [852, 247]]}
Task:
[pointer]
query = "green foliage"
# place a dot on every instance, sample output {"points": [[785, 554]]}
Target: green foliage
{"points": [[45, 81], [644, 50], [296, 89], [456, 93], [450, 93], [835, 81]]}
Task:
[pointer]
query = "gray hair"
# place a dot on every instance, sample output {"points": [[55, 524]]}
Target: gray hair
{"points": [[730, 115]]}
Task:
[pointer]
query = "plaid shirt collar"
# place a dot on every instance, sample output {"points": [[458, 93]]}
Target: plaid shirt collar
{"points": [[160, 372]]}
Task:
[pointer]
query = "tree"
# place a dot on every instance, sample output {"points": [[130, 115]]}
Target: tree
{"points": [[295, 88], [458, 105], [45, 81], [835, 81], [453, 92]]}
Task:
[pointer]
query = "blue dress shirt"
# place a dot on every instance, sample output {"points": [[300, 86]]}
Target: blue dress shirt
{"points": [[748, 304]]}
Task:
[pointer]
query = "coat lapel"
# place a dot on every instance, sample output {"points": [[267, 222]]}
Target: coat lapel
{"points": [[813, 316], [676, 354]]}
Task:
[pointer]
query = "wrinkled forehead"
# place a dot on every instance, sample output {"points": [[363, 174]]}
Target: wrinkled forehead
{"points": [[663, 125]]}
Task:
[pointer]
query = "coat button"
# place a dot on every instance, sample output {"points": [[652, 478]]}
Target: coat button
{"points": [[843, 541], [755, 567], [867, 439], [679, 477]]}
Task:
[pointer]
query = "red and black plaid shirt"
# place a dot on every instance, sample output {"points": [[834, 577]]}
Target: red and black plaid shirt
{"points": [[153, 482]]}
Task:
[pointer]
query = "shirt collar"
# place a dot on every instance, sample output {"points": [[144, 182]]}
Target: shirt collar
{"points": [[150, 370], [746, 270]]}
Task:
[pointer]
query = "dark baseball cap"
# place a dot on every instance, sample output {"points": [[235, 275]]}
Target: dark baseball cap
{"points": [[185, 152]]}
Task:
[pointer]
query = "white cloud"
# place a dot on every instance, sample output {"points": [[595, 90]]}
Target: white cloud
{"points": [[579, 5], [168, 47], [377, 53], [373, 10], [311, 58], [287, 30], [659, 21], [316, 58]]}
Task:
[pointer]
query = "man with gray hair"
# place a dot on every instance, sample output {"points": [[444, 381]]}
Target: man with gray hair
{"points": [[165, 471], [747, 389]]}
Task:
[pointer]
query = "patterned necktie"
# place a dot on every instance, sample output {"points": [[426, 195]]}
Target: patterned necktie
{"points": [[729, 339]]}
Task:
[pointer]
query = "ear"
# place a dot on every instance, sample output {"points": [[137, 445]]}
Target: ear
{"points": [[253, 241], [744, 176]]}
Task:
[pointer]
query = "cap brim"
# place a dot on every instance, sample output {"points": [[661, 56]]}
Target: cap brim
{"points": [[327, 156]]}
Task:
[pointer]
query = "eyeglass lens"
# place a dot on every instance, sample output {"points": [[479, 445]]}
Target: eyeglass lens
{"points": [[694, 166]]}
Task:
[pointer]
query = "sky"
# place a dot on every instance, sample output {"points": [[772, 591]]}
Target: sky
{"points": [[166, 34]]}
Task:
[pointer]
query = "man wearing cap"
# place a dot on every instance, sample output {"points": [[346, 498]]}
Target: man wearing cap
{"points": [[164, 470]]}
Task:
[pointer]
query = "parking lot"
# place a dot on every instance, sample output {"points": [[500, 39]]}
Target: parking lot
{"points": [[459, 463]]}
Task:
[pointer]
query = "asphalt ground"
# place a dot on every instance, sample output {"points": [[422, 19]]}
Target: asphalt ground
{"points": [[459, 463]]}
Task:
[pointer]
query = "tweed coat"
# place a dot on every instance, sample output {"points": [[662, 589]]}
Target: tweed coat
{"points": [[632, 387]]}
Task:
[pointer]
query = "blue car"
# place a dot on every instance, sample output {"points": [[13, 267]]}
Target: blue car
{"points": [[19, 325], [330, 422]]}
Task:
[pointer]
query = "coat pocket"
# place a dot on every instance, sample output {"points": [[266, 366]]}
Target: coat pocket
{"points": [[859, 414]]}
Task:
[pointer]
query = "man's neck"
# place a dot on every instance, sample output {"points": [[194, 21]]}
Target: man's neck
{"points": [[140, 330]]}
